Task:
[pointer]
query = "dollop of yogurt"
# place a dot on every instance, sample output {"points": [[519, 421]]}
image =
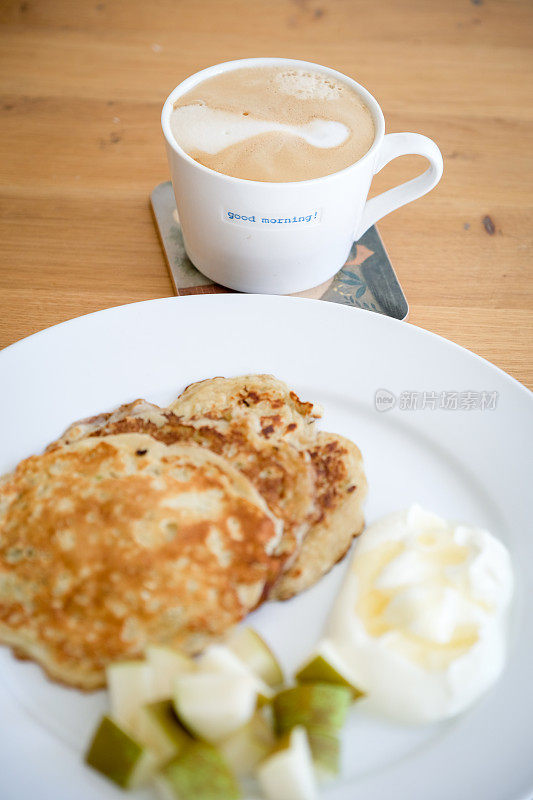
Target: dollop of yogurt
{"points": [[420, 619]]}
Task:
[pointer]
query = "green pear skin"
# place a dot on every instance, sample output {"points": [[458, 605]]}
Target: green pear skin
{"points": [[326, 751], [160, 729], [118, 756], [199, 772], [313, 705], [319, 669]]}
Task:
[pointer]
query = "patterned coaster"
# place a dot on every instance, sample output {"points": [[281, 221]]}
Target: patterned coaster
{"points": [[367, 280]]}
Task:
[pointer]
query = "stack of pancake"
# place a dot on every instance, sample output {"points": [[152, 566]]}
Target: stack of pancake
{"points": [[151, 524]]}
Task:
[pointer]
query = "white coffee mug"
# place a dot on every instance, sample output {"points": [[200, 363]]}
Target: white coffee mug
{"points": [[280, 238]]}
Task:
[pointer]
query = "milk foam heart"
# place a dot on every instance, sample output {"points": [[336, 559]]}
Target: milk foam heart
{"points": [[273, 124], [212, 130]]}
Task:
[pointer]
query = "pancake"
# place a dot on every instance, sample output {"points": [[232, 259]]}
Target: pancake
{"points": [[112, 542], [219, 412], [341, 491], [272, 410], [277, 413], [92, 425], [281, 472]]}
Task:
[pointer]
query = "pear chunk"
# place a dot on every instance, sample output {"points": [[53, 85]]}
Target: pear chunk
{"points": [[251, 648], [288, 773], [130, 686], [326, 752], [313, 705], [119, 757], [166, 664], [212, 705], [218, 658], [159, 729], [327, 666], [246, 747], [199, 772]]}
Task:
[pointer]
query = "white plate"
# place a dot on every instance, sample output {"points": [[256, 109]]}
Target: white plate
{"points": [[464, 464]]}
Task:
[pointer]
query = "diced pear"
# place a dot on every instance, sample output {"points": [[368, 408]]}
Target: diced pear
{"points": [[130, 686], [326, 751], [166, 664], [219, 658], [212, 705], [119, 757], [251, 648], [244, 749], [288, 774], [313, 705], [160, 730], [199, 772], [326, 665]]}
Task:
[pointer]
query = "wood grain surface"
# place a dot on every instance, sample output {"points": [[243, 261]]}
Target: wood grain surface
{"points": [[81, 88]]}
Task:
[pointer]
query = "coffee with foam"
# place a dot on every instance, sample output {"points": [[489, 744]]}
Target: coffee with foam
{"points": [[273, 124]]}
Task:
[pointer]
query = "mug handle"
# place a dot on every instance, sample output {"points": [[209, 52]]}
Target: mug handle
{"points": [[392, 146]]}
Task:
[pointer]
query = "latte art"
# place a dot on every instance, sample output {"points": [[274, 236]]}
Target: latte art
{"points": [[212, 130], [273, 124]]}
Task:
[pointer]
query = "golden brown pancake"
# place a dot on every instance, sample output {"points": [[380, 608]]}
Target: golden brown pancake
{"points": [[281, 472], [238, 418], [270, 407], [275, 412], [112, 542], [341, 491], [93, 425]]}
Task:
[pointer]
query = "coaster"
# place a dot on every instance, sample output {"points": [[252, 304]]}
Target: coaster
{"points": [[367, 280]]}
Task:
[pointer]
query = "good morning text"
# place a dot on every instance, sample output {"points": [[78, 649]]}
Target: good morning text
{"points": [[310, 218]]}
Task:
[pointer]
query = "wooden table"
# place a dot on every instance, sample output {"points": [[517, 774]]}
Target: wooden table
{"points": [[81, 88]]}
